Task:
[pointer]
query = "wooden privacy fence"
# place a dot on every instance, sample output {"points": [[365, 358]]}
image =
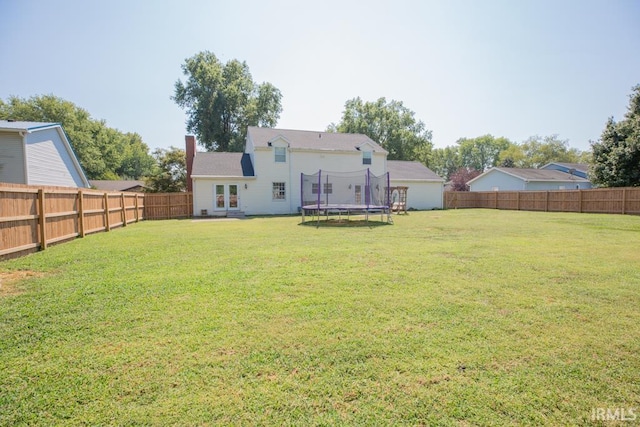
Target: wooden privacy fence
{"points": [[33, 217], [168, 205], [600, 200]]}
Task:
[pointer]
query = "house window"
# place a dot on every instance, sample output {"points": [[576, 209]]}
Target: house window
{"points": [[366, 157], [314, 188], [328, 188], [281, 154], [279, 191], [358, 194]]}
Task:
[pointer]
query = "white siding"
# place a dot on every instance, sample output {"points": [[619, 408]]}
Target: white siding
{"points": [[49, 162], [422, 195], [11, 158]]}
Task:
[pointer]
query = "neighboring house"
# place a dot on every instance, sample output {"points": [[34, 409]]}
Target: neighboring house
{"points": [[135, 186], [36, 153], [516, 179], [425, 187], [577, 169], [265, 179]]}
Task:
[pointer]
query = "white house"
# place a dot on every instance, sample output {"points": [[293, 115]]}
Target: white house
{"points": [[425, 187], [36, 153], [517, 179], [265, 178]]}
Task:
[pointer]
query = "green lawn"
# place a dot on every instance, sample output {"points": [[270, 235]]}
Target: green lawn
{"points": [[461, 317]]}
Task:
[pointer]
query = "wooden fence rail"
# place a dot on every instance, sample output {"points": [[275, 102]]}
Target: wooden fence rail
{"points": [[31, 218], [624, 200]]}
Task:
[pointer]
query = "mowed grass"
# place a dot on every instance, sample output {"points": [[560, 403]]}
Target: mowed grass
{"points": [[461, 317]]}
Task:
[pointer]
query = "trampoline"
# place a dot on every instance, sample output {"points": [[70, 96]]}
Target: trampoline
{"points": [[345, 194]]}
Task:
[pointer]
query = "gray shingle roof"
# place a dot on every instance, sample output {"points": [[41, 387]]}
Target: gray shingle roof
{"points": [[540, 175], [23, 126], [399, 169], [303, 139], [222, 164]]}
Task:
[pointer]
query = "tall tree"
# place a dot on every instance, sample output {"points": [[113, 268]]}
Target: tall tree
{"points": [[390, 124], [103, 152], [170, 175], [616, 156], [445, 161], [538, 151], [483, 152], [222, 100]]}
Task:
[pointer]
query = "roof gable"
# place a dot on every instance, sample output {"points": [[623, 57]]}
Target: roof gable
{"points": [[24, 126], [310, 140]]}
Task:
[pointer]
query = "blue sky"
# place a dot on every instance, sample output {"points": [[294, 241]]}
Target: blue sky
{"points": [[512, 68]]}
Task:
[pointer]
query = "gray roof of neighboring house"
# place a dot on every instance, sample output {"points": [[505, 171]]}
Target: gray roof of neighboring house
{"points": [[310, 140], [116, 185], [24, 126], [399, 169], [222, 164], [535, 175]]}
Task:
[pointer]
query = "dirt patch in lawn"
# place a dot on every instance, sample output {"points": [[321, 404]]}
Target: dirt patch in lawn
{"points": [[10, 281]]}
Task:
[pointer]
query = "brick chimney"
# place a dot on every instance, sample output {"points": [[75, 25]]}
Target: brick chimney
{"points": [[190, 142]]}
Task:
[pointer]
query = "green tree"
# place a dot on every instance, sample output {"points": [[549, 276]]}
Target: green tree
{"points": [[537, 151], [222, 100], [390, 124], [483, 152], [445, 161], [616, 156], [170, 174], [103, 152]]}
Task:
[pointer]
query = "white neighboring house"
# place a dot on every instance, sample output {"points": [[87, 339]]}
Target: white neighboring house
{"points": [[425, 187], [265, 179], [518, 179], [36, 153]]}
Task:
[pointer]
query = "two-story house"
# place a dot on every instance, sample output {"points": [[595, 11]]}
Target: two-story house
{"points": [[265, 178]]}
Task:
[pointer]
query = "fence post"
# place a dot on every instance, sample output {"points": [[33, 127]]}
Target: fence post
{"points": [[107, 224], [124, 210], [495, 200], [42, 220], [546, 202], [517, 200], [580, 201], [136, 206], [624, 199], [81, 213]]}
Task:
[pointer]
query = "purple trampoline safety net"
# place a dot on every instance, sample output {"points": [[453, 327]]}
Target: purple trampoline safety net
{"points": [[351, 192]]}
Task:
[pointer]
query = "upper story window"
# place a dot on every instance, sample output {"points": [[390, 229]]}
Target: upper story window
{"points": [[281, 154], [366, 157]]}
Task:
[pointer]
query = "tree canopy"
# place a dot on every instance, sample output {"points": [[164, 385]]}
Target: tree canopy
{"points": [[483, 152], [538, 151], [616, 156], [170, 173], [390, 124], [103, 152], [222, 100]]}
